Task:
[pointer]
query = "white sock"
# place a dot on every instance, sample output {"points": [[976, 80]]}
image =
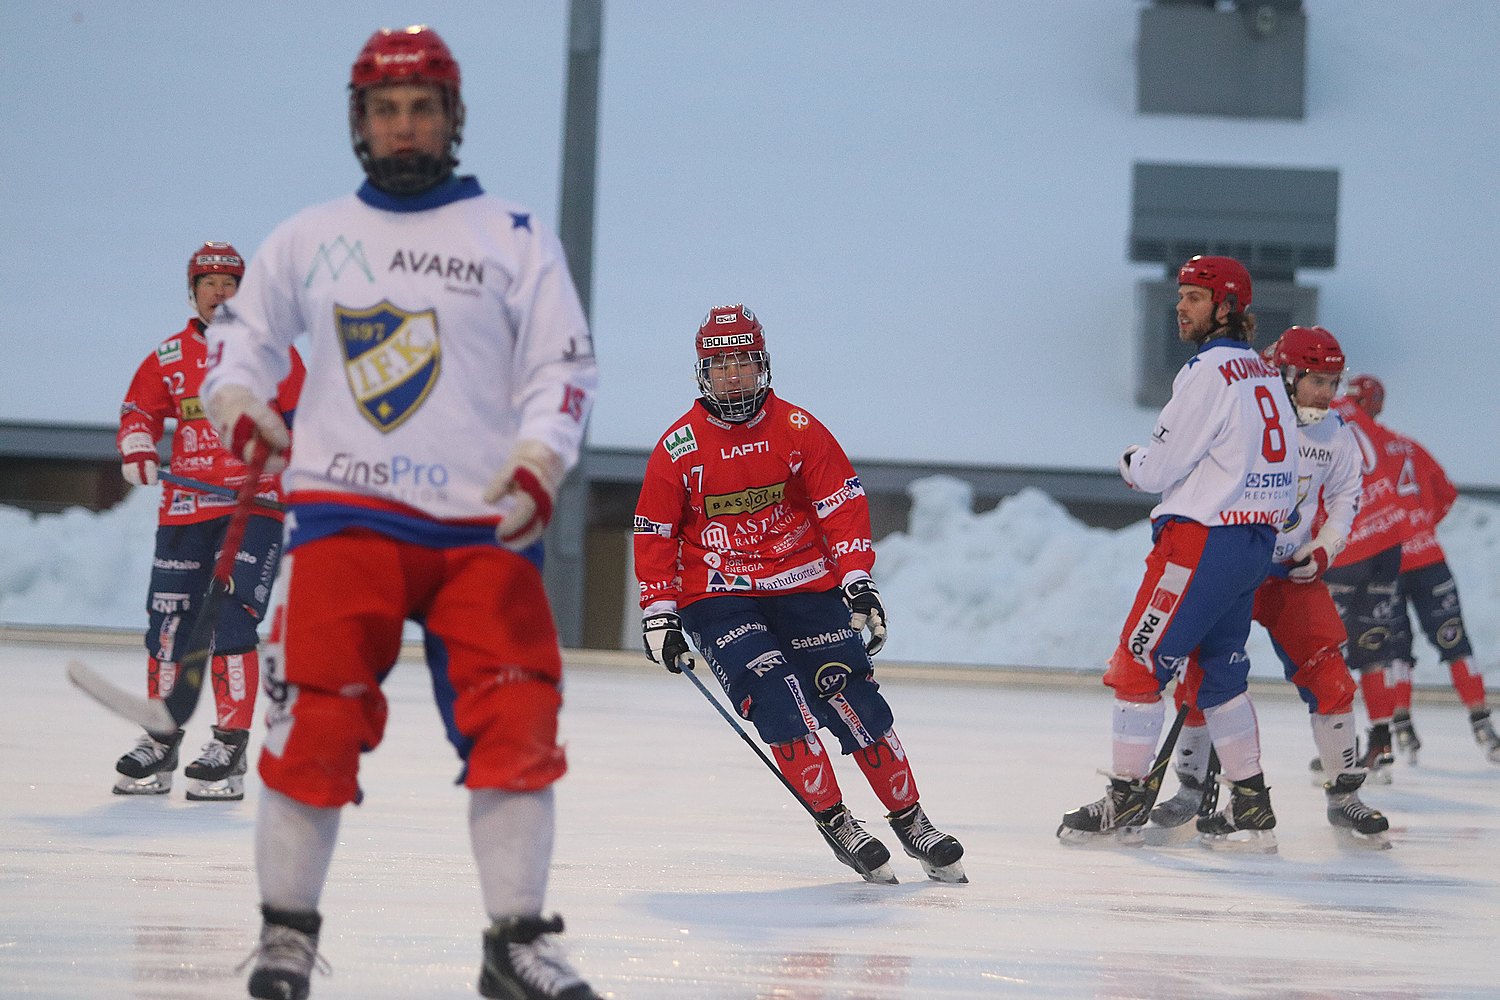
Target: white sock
{"points": [[1236, 737], [511, 833], [1193, 746], [1136, 728], [293, 847], [1334, 735]]}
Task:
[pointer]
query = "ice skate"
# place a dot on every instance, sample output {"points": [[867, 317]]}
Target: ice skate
{"points": [[1377, 758], [1246, 823], [219, 772], [1484, 734], [523, 961], [1405, 736], [936, 851], [1347, 813], [854, 846], [1116, 818], [285, 956], [147, 768], [1189, 801]]}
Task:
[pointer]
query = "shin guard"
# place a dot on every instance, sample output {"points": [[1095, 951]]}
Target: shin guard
{"points": [[887, 770], [804, 762]]}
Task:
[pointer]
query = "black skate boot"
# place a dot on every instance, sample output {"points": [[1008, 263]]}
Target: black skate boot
{"points": [[853, 845], [937, 852], [522, 961], [1247, 823], [1119, 816], [147, 769], [1189, 801], [1377, 758], [1484, 734], [1405, 736], [1347, 812], [285, 956], [219, 772]]}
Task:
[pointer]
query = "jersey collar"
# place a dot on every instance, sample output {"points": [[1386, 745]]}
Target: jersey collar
{"points": [[451, 190]]}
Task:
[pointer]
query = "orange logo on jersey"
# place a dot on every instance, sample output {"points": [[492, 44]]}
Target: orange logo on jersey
{"points": [[756, 498]]}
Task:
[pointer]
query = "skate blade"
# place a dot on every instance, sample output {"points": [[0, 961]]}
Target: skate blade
{"points": [[953, 873], [1169, 836], [1380, 776], [151, 784], [228, 790], [884, 875], [1364, 841], [1130, 836], [1241, 841]]}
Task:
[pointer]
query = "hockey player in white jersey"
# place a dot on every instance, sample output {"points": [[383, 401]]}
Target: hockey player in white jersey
{"points": [[1223, 456], [449, 374], [1294, 604]]}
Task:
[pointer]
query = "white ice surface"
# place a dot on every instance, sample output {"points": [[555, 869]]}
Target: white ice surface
{"points": [[686, 872]]}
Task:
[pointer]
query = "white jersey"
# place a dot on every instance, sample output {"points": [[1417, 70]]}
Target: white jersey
{"points": [[1225, 446], [1329, 478], [443, 329]]}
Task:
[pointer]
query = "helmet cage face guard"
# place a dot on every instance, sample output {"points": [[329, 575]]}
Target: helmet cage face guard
{"points": [[414, 55], [738, 404]]}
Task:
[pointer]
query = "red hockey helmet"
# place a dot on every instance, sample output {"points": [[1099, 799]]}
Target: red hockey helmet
{"points": [[1310, 349], [215, 258], [734, 367], [1303, 349], [1225, 277], [415, 54], [1368, 392]]}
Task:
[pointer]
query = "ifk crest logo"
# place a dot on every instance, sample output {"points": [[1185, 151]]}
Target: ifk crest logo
{"points": [[336, 257], [392, 359]]}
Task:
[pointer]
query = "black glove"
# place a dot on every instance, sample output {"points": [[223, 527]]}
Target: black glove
{"points": [[665, 643], [866, 612]]}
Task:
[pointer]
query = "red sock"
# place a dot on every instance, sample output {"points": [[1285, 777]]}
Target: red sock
{"points": [[806, 765], [235, 678], [1468, 684], [888, 772], [160, 675], [1380, 700]]}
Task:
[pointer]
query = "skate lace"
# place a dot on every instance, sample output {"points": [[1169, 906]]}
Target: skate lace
{"points": [[286, 949], [147, 751], [541, 965], [215, 754], [1354, 808], [849, 832], [922, 834]]}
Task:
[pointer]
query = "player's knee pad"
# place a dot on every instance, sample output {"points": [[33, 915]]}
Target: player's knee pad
{"points": [[314, 739], [511, 728], [1325, 684], [857, 714], [235, 631], [1131, 679], [779, 706]]}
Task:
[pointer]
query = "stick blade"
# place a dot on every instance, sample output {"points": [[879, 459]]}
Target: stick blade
{"points": [[149, 713]]}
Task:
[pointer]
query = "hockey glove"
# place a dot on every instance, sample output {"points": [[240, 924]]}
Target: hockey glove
{"points": [[524, 490], [1312, 558], [866, 612], [1125, 465], [243, 421], [665, 643], [139, 460]]}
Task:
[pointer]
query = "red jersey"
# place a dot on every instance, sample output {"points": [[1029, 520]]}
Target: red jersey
{"points": [[770, 506], [1433, 499], [166, 386], [1389, 487]]}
